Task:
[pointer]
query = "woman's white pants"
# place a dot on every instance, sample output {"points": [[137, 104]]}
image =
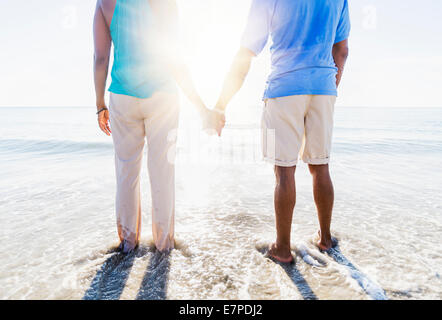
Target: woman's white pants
{"points": [[133, 120]]}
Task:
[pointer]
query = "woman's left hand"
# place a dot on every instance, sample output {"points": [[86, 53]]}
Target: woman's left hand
{"points": [[103, 122]]}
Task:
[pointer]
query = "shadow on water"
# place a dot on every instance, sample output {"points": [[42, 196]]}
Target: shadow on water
{"points": [[110, 280], [303, 287], [154, 284], [370, 288], [293, 272]]}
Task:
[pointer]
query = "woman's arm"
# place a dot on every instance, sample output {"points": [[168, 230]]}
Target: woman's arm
{"points": [[166, 12], [102, 45]]}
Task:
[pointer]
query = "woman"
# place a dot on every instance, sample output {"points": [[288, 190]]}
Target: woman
{"points": [[143, 103]]}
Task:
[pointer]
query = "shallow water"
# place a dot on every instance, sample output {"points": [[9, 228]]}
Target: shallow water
{"points": [[58, 225]]}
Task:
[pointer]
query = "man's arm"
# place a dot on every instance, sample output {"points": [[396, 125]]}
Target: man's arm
{"points": [[340, 54], [253, 41], [235, 78], [102, 46]]}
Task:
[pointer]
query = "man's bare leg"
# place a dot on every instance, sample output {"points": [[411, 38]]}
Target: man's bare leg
{"points": [[324, 197], [285, 199]]}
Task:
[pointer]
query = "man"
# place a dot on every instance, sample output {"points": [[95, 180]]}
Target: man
{"points": [[309, 51], [143, 103]]}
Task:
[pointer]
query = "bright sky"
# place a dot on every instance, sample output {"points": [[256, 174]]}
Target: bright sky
{"points": [[395, 59]]}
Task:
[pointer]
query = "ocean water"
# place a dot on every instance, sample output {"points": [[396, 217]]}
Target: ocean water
{"points": [[58, 231]]}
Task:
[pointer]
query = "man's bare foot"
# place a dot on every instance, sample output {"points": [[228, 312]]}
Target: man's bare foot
{"points": [[280, 255], [325, 244]]}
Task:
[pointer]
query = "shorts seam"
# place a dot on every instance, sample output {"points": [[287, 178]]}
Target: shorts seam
{"points": [[317, 161], [281, 163]]}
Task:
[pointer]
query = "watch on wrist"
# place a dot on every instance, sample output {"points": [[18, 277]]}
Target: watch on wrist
{"points": [[101, 110]]}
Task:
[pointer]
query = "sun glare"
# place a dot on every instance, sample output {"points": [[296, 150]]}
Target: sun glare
{"points": [[210, 38]]}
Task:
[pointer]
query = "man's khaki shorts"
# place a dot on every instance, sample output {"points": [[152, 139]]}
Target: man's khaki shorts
{"points": [[298, 126]]}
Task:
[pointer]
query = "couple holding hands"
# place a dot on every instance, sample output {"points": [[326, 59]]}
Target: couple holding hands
{"points": [[309, 50]]}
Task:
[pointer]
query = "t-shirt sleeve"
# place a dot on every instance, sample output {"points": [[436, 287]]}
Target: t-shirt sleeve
{"points": [[343, 30], [257, 30]]}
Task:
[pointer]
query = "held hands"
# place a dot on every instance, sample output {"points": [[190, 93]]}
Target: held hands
{"points": [[213, 121]]}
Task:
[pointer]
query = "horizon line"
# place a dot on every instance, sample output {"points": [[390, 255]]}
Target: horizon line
{"points": [[337, 106]]}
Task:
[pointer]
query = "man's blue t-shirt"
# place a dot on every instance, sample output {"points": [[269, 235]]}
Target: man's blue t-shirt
{"points": [[303, 33]]}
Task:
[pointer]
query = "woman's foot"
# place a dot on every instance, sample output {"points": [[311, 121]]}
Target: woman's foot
{"points": [[280, 254], [126, 247]]}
